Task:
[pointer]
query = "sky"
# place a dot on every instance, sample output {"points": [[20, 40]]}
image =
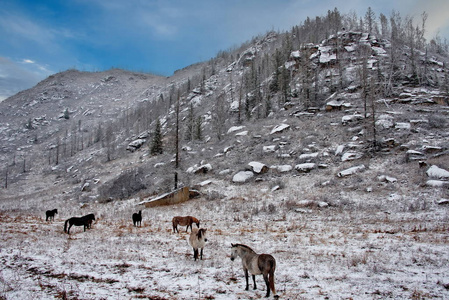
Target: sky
{"points": [[39, 38]]}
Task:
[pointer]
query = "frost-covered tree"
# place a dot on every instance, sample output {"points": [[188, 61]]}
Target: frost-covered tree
{"points": [[156, 145]]}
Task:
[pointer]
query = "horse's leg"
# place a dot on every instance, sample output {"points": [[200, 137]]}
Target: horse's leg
{"points": [[70, 226], [201, 254], [254, 281], [195, 253], [267, 282], [246, 277]]}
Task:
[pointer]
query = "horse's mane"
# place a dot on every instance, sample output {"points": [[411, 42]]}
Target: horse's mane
{"points": [[244, 246]]}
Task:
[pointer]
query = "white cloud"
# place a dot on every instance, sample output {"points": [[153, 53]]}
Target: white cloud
{"points": [[17, 76]]}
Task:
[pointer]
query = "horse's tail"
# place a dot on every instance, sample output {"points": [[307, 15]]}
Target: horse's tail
{"points": [[65, 225], [271, 276]]}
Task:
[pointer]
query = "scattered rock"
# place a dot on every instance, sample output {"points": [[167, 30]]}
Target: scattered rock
{"points": [[351, 171], [136, 144], [242, 176], [305, 168], [258, 167], [279, 128], [438, 173]]}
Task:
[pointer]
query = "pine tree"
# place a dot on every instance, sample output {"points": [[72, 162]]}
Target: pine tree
{"points": [[156, 146], [198, 131]]}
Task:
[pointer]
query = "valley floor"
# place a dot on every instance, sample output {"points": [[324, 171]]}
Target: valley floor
{"points": [[338, 252]]}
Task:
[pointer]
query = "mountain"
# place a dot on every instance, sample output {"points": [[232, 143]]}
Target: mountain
{"points": [[366, 96]]}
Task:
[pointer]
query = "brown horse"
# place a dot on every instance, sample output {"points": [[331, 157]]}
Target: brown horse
{"points": [[256, 264], [184, 221]]}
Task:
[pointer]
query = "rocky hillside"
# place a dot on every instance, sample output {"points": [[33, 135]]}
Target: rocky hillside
{"points": [[352, 111]]}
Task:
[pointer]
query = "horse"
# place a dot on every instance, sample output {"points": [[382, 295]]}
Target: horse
{"points": [[90, 218], [50, 214], [197, 240], [85, 221], [137, 218], [256, 264], [184, 221]]}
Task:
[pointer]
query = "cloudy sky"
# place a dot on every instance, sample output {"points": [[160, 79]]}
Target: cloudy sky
{"points": [[43, 37]]}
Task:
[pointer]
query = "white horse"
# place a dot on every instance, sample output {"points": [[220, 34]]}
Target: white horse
{"points": [[197, 240], [256, 264]]}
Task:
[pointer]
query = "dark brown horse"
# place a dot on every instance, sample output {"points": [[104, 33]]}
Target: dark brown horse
{"points": [[50, 214], [184, 221], [256, 264], [137, 218]]}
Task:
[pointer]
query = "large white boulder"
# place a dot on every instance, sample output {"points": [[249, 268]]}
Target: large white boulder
{"points": [[242, 176], [438, 173]]}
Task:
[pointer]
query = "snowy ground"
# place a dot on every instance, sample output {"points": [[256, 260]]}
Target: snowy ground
{"points": [[364, 246]]}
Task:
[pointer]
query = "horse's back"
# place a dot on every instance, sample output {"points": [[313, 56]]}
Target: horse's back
{"points": [[178, 220]]}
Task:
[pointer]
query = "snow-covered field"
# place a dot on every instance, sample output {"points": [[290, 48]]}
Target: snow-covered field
{"points": [[363, 246]]}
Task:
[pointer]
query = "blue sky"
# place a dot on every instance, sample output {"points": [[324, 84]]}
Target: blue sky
{"points": [[40, 38]]}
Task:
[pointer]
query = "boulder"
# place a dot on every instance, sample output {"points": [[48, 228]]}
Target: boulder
{"points": [[351, 156], [437, 173], [279, 128], [203, 169], [350, 171], [305, 168], [136, 144], [242, 176], [282, 168], [258, 167]]}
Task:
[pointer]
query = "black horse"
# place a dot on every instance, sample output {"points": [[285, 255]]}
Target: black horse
{"points": [[50, 214], [90, 218], [137, 218], [85, 221]]}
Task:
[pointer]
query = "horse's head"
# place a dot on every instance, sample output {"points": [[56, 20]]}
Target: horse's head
{"points": [[233, 252], [202, 234]]}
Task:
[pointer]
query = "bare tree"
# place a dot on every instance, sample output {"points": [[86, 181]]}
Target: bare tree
{"points": [[220, 115]]}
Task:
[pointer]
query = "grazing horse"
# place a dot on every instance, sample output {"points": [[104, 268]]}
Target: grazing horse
{"points": [[184, 221], [50, 214], [256, 264], [137, 218], [197, 240], [85, 221]]}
